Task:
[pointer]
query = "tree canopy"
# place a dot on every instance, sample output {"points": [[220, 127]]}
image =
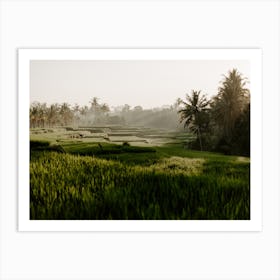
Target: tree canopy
{"points": [[194, 113], [222, 123]]}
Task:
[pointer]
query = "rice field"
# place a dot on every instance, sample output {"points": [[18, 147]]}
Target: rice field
{"points": [[111, 134], [84, 178]]}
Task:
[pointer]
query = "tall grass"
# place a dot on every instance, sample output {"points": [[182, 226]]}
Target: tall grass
{"points": [[65, 186]]}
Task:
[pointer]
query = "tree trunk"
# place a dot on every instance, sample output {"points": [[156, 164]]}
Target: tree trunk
{"points": [[199, 138]]}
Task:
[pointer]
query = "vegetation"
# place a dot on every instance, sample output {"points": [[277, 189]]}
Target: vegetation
{"points": [[222, 123], [54, 115], [93, 162], [195, 114], [201, 186]]}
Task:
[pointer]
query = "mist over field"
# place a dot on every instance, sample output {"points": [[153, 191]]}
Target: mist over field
{"points": [[156, 140]]}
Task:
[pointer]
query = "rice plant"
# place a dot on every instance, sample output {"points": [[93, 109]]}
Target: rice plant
{"points": [[68, 186]]}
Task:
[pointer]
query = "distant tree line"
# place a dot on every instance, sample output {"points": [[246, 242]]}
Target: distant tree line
{"points": [[41, 115], [221, 123], [54, 115]]}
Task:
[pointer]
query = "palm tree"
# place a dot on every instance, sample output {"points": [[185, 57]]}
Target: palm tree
{"points": [[53, 114], [66, 113], [94, 104], [104, 108], [230, 102], [84, 110], [41, 114], [194, 112], [34, 114]]}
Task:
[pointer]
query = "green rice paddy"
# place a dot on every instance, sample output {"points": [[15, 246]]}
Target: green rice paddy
{"points": [[132, 173]]}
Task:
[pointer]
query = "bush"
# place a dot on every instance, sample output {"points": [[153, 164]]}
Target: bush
{"points": [[34, 144], [45, 146], [56, 148]]}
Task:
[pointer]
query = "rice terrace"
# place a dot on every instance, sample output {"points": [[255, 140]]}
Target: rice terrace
{"points": [[96, 160]]}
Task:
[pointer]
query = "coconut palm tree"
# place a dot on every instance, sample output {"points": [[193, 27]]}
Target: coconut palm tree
{"points": [[193, 114], [53, 114], [34, 114], [41, 113], [231, 100], [104, 108], [66, 113], [94, 105]]}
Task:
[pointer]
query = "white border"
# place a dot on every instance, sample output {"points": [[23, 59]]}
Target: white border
{"points": [[252, 55]]}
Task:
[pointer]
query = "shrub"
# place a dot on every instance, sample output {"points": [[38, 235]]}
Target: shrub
{"points": [[34, 144]]}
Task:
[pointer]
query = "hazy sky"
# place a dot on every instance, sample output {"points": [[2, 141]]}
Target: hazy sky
{"points": [[146, 83]]}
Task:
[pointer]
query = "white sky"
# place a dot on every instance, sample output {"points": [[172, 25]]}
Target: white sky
{"points": [[146, 83]]}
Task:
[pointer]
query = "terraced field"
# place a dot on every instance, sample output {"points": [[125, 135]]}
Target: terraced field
{"points": [[112, 134], [132, 173]]}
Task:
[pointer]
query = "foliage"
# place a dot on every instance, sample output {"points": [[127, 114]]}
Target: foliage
{"points": [[80, 174], [55, 115], [229, 103], [99, 149], [195, 114], [64, 186], [41, 115], [38, 144], [126, 143], [241, 133], [224, 126]]}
